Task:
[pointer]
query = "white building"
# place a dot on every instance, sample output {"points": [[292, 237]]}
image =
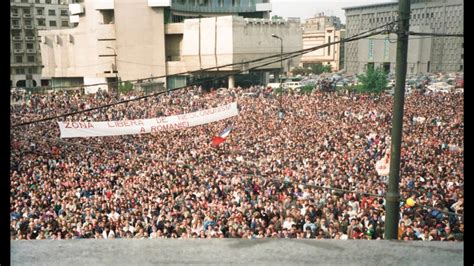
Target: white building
{"points": [[320, 30], [425, 54], [27, 17], [144, 41]]}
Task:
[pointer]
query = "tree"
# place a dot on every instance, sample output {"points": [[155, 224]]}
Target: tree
{"points": [[125, 87], [373, 81], [319, 68], [299, 71], [276, 17]]}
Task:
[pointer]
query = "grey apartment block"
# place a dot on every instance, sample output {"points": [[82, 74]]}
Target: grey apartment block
{"points": [[425, 54], [26, 18]]}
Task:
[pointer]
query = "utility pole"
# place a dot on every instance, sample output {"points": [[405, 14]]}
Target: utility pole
{"points": [[393, 194], [280, 112], [115, 70]]}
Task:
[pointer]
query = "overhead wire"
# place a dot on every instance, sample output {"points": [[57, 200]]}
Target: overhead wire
{"points": [[280, 57], [226, 65]]}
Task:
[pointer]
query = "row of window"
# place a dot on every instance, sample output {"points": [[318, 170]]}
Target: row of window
{"points": [[40, 11], [207, 2], [29, 59], [38, 1], [19, 45], [41, 22], [29, 70]]}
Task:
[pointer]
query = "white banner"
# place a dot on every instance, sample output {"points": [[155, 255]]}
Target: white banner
{"points": [[142, 126]]}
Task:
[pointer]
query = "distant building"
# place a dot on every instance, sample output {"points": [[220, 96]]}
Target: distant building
{"points": [[26, 18], [155, 38], [425, 54], [320, 30]]}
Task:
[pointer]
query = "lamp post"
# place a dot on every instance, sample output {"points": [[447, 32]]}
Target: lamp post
{"points": [[115, 69], [281, 70]]}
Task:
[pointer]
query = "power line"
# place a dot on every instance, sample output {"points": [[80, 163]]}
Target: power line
{"points": [[288, 56], [227, 65], [435, 34]]}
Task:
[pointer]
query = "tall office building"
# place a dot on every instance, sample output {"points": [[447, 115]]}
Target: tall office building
{"points": [[27, 17], [320, 30], [425, 54]]}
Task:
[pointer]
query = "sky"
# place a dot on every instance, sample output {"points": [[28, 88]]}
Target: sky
{"points": [[305, 9]]}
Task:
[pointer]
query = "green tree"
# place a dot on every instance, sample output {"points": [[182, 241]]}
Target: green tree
{"points": [[299, 71], [125, 87], [319, 68], [276, 17], [373, 81]]}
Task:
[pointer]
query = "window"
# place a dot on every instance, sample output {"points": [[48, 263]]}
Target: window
{"points": [[64, 13], [64, 23], [52, 23], [20, 71], [26, 11], [17, 45], [27, 22], [107, 16], [29, 33], [329, 47], [15, 22], [48, 1], [40, 11], [38, 1], [29, 45], [52, 12], [19, 59], [41, 22], [31, 58], [24, 1]]}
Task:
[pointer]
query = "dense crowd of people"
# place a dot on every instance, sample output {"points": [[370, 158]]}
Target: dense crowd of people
{"points": [[307, 172]]}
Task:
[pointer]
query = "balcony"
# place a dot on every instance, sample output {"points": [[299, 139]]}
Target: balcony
{"points": [[16, 27], [76, 9], [74, 19], [29, 27], [18, 51], [30, 51], [15, 15], [27, 16], [30, 38], [17, 38], [159, 3]]}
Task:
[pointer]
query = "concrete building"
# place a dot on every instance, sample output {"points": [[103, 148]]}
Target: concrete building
{"points": [[26, 18], [137, 39], [425, 54], [320, 30]]}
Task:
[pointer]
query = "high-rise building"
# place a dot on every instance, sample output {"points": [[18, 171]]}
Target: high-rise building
{"points": [[139, 39], [320, 30], [425, 54], [27, 17]]}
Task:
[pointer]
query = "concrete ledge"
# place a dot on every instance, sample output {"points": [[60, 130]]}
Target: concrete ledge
{"points": [[234, 251]]}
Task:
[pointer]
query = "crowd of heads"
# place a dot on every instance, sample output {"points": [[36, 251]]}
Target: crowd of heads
{"points": [[307, 172]]}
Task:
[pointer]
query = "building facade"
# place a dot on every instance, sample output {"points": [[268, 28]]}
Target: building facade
{"points": [[138, 39], [425, 54], [26, 18], [320, 30]]}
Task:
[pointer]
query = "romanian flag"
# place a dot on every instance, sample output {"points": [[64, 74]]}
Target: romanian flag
{"points": [[216, 140]]}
